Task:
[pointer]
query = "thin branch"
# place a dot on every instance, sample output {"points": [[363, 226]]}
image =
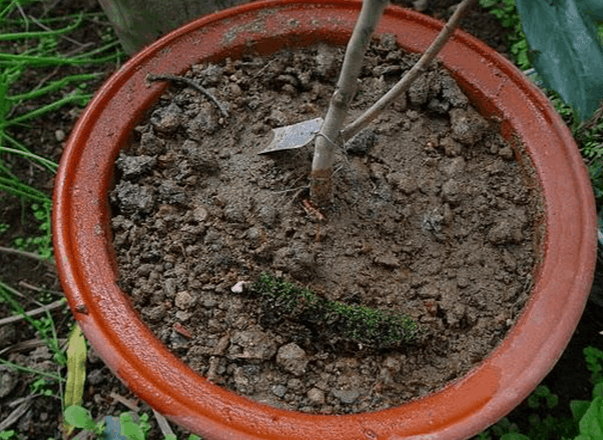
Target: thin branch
{"points": [[405, 83], [21, 253], [163, 423], [29, 344], [128, 403], [52, 306], [14, 416], [191, 83]]}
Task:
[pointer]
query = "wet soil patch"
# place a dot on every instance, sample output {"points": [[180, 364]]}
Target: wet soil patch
{"points": [[432, 216]]}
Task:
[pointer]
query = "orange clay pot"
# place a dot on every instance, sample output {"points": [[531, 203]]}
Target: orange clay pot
{"points": [[87, 269]]}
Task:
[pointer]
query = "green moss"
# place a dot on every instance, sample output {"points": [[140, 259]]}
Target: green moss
{"points": [[356, 323]]}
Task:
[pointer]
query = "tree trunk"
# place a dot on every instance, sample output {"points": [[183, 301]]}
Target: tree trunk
{"points": [[140, 22]]}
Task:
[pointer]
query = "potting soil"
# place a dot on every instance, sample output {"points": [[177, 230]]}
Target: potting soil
{"points": [[434, 215]]}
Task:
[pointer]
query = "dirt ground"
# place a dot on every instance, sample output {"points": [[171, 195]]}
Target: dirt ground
{"points": [[104, 394]]}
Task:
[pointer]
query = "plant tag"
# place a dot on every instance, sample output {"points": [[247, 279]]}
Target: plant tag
{"points": [[293, 136]]}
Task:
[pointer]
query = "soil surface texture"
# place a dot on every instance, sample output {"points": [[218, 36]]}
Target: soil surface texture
{"points": [[432, 216]]}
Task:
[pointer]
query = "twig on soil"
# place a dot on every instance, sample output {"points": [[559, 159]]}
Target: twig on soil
{"points": [[52, 306], [405, 83], [38, 289], [163, 423], [191, 83], [130, 404], [29, 344], [14, 416], [46, 28], [21, 253]]}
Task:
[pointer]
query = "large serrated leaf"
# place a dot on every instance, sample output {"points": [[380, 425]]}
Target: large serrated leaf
{"points": [[566, 50]]}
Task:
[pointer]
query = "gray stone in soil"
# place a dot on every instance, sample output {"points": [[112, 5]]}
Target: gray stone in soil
{"points": [[132, 198], [167, 119], [346, 396], [172, 193], [279, 390], [297, 259], [361, 143], [292, 358], [504, 232], [151, 143], [451, 191], [206, 122], [326, 60], [155, 314], [252, 344], [452, 93], [8, 335], [184, 300], [212, 75], [316, 396], [468, 126], [420, 91], [96, 377], [134, 166], [268, 215]]}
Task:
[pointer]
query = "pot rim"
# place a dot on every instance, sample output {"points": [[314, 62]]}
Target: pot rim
{"points": [[87, 268]]}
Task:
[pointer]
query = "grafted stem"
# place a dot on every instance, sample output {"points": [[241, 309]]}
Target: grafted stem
{"points": [[332, 132], [329, 137]]}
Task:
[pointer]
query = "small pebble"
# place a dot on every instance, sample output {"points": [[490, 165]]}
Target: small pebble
{"points": [[292, 358], [506, 153], [279, 390], [184, 300], [239, 287], [59, 135], [346, 396], [316, 396]]}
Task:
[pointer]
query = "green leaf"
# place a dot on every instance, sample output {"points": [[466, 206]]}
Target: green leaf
{"points": [[566, 50], [594, 363], [591, 424], [76, 368], [79, 417], [579, 408]]}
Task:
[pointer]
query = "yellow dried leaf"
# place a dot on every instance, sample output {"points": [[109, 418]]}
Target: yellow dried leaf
{"points": [[76, 368]]}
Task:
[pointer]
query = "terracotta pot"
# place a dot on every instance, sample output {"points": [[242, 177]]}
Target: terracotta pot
{"points": [[82, 236]]}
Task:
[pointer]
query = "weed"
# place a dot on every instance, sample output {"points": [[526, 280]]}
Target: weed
{"points": [[44, 326], [41, 386], [8, 435], [41, 244], [36, 50], [131, 426], [506, 12]]}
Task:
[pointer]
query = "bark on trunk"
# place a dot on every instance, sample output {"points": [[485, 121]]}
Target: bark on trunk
{"points": [[140, 22]]}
